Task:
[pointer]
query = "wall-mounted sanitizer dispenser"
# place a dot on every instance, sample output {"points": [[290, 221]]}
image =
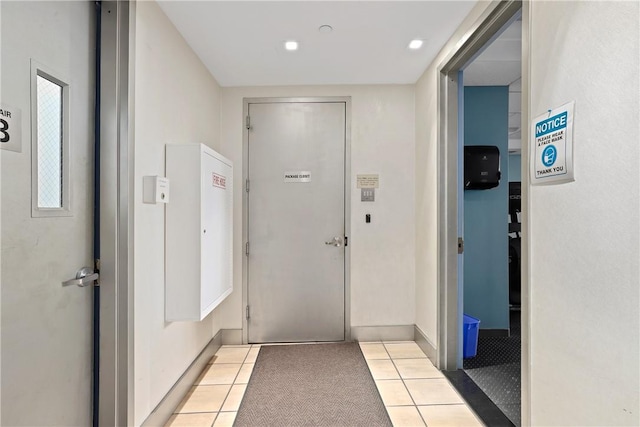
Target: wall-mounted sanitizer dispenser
{"points": [[155, 189], [481, 167]]}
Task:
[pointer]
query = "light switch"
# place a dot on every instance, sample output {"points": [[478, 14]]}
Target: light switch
{"points": [[367, 195]]}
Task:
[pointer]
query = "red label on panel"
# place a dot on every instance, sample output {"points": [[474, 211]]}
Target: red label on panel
{"points": [[219, 181]]}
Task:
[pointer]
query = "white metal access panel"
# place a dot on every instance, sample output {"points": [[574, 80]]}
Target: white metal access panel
{"points": [[47, 73], [296, 230]]}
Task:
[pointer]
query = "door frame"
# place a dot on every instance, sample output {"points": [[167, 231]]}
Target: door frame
{"points": [[347, 200], [495, 16], [116, 404]]}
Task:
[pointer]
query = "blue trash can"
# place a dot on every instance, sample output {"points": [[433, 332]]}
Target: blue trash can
{"points": [[470, 326]]}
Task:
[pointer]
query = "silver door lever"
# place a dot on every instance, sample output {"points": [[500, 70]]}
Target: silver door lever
{"points": [[336, 241], [85, 276]]}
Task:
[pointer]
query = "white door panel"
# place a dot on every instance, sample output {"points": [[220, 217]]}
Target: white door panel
{"points": [[46, 328], [295, 279]]}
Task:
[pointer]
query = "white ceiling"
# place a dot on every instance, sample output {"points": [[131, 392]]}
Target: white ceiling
{"points": [[241, 42], [500, 65]]}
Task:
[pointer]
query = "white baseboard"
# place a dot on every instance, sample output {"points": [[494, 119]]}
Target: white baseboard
{"points": [[172, 399], [382, 333], [426, 345], [231, 336]]}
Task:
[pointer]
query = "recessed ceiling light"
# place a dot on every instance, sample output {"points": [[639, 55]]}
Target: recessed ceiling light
{"points": [[291, 45], [415, 44], [325, 29]]}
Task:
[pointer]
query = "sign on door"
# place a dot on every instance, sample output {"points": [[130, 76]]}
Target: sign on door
{"points": [[10, 128]]}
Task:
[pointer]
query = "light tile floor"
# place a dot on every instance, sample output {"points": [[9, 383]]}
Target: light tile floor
{"points": [[215, 397], [414, 392]]}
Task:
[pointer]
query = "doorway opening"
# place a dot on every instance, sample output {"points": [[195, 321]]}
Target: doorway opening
{"points": [[487, 75], [490, 207]]}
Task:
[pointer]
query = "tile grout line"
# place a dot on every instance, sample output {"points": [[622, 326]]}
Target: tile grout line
{"points": [[191, 413], [244, 362], [444, 404], [405, 387], [393, 361], [232, 384], [371, 373], [394, 364], [463, 403], [403, 384], [394, 367]]}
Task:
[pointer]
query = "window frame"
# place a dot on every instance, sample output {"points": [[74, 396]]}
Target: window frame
{"points": [[39, 70]]}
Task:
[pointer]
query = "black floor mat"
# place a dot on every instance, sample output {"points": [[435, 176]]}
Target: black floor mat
{"points": [[498, 350], [494, 351], [490, 414], [501, 383], [496, 369]]}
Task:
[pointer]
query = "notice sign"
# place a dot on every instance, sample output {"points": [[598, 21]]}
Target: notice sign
{"points": [[552, 146], [297, 176], [219, 181], [10, 128], [368, 181]]}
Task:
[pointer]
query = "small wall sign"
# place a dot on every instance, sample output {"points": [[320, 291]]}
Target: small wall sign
{"points": [[368, 181], [219, 181], [552, 146], [10, 128], [297, 176]]}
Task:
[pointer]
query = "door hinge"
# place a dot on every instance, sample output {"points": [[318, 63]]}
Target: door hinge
{"points": [[248, 122], [460, 245], [346, 241], [247, 312], [247, 185], [246, 248]]}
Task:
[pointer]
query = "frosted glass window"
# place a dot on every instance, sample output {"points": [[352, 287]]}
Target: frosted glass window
{"points": [[50, 143]]}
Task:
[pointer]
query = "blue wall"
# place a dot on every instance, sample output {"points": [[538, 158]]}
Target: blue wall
{"points": [[486, 259], [514, 167]]}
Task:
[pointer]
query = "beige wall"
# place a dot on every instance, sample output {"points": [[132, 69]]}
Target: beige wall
{"points": [[585, 315], [382, 141], [176, 101]]}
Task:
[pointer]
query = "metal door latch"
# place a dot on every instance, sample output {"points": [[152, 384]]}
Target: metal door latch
{"points": [[85, 276], [336, 241]]}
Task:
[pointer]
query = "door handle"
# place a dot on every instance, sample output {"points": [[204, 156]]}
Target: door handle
{"points": [[336, 241], [85, 276]]}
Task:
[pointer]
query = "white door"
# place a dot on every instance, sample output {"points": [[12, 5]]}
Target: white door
{"points": [[47, 72], [296, 232]]}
